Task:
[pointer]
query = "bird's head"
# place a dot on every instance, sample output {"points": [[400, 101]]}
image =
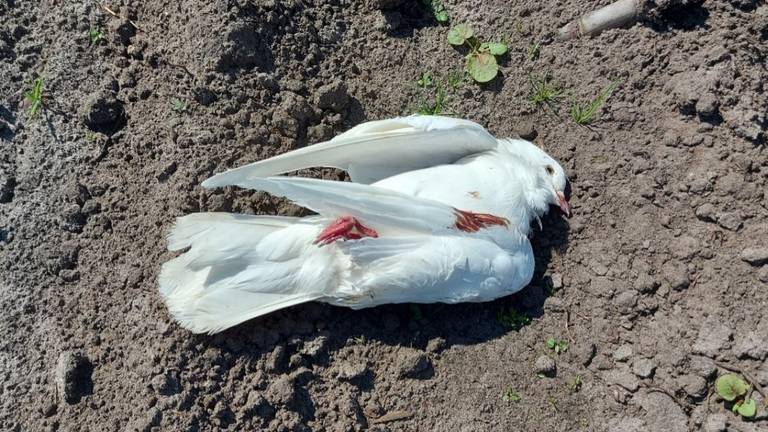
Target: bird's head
{"points": [[550, 183]]}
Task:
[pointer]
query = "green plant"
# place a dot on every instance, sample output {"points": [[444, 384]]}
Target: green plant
{"points": [[533, 51], [456, 79], [359, 340], [544, 90], [434, 106], [584, 113], [512, 319], [95, 35], [179, 105], [511, 395], [577, 383], [437, 9], [425, 80], [734, 389], [481, 60], [35, 97], [558, 346]]}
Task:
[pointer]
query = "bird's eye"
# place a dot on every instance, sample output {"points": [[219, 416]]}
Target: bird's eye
{"points": [[550, 170]]}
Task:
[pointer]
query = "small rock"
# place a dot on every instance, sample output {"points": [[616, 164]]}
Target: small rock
{"points": [[623, 378], [333, 96], [662, 412], [352, 371], [277, 359], [281, 392], [693, 385], [101, 109], [623, 353], [315, 347], [73, 376], [436, 345], [526, 130], [713, 338], [545, 366], [755, 255], [255, 405], [751, 345], [676, 274], [122, 30], [716, 423], [702, 366], [730, 221], [166, 384], [645, 283], [706, 107], [413, 364], [50, 409], [584, 353], [643, 367], [762, 274], [626, 301]]}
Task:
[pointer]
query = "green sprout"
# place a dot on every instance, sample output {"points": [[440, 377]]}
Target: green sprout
{"points": [[437, 9], [512, 319], [558, 346], [545, 91], [179, 105], [534, 51], [577, 383], [35, 97], [95, 35], [481, 60], [733, 388], [511, 395], [456, 78], [437, 105], [584, 113], [425, 80]]}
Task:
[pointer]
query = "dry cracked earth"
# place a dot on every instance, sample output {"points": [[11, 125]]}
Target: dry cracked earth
{"points": [[657, 285]]}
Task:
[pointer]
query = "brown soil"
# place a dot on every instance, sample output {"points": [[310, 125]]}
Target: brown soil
{"points": [[661, 272]]}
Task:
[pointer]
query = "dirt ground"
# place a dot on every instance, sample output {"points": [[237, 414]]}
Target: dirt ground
{"points": [[661, 275]]}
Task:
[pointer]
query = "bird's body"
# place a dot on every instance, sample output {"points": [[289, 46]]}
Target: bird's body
{"points": [[447, 225]]}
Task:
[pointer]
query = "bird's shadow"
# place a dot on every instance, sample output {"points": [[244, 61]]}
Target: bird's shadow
{"points": [[409, 325]]}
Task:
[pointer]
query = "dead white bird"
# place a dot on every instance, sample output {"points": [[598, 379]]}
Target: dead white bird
{"points": [[438, 211]]}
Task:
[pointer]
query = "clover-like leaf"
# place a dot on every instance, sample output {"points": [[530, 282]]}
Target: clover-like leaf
{"points": [[730, 387], [551, 343], [482, 66], [747, 408], [459, 34], [441, 17]]}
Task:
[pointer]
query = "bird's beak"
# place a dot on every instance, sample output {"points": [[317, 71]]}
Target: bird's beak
{"points": [[565, 206]]}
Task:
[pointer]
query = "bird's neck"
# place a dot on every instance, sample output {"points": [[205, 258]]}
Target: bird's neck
{"points": [[531, 203]]}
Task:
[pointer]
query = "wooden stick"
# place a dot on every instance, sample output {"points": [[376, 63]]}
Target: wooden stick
{"points": [[617, 14], [111, 12]]}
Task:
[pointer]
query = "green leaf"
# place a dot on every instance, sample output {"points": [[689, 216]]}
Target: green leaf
{"points": [[441, 17], [497, 48], [748, 408], [459, 34], [551, 343], [482, 66], [730, 387]]}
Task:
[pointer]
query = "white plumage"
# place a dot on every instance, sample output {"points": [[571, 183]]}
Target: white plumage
{"points": [[441, 214]]}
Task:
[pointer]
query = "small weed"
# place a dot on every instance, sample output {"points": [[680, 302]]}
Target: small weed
{"points": [[359, 340], [534, 51], [545, 90], [481, 60], [433, 108], [437, 9], [425, 80], [35, 97], [95, 35], [511, 395], [577, 383], [179, 105], [584, 113], [558, 346], [455, 79], [733, 388], [512, 319]]}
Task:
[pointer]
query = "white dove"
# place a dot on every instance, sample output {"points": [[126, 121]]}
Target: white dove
{"points": [[438, 211]]}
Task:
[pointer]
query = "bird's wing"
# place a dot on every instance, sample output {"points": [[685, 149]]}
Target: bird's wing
{"points": [[375, 150], [374, 206]]}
